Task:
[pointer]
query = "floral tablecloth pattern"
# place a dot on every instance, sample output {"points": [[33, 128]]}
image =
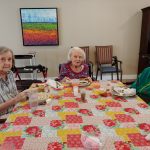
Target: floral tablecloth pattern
{"points": [[125, 121]]}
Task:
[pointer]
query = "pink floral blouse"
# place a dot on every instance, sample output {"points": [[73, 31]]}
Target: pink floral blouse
{"points": [[66, 71]]}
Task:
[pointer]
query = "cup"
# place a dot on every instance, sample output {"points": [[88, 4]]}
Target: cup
{"points": [[83, 94], [33, 100], [76, 91]]}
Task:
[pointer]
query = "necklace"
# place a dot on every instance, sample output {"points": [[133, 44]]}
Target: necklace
{"points": [[77, 68]]}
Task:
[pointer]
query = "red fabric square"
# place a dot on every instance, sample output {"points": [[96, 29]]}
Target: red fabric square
{"points": [[113, 104], [25, 120], [74, 140], [16, 141], [68, 95], [138, 140], [73, 119], [71, 105], [124, 118]]}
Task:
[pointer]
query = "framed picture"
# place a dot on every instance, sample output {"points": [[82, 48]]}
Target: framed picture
{"points": [[39, 26]]}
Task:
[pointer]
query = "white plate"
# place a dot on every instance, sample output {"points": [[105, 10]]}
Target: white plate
{"points": [[123, 91]]}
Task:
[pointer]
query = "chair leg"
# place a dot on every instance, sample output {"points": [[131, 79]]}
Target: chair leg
{"points": [[101, 75], [121, 76], [97, 73], [117, 75], [111, 76]]}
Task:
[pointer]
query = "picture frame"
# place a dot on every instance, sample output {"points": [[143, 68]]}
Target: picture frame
{"points": [[39, 26]]}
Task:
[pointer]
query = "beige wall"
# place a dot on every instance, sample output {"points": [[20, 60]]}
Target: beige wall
{"points": [[81, 23]]}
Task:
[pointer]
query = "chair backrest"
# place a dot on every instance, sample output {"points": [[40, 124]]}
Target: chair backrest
{"points": [[86, 50], [104, 54]]}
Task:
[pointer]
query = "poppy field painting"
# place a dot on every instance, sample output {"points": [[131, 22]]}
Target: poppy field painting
{"points": [[39, 26]]}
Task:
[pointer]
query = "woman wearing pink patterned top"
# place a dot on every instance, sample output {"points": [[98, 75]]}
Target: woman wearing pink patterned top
{"points": [[75, 68]]}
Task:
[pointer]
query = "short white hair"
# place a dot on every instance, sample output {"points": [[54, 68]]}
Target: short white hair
{"points": [[78, 49]]}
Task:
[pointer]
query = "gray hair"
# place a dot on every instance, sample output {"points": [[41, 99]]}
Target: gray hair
{"points": [[78, 50], [5, 50]]}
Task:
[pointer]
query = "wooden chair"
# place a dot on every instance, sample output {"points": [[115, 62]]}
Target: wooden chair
{"points": [[107, 63]]}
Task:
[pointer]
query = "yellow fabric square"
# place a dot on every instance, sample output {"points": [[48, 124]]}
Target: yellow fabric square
{"points": [[139, 99], [112, 113], [23, 103], [62, 133], [62, 102], [93, 84], [68, 90], [61, 92], [62, 115], [104, 101], [12, 117], [124, 131], [3, 135], [97, 92]]}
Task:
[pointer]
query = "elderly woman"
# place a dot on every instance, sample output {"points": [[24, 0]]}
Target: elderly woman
{"points": [[75, 67], [9, 95]]}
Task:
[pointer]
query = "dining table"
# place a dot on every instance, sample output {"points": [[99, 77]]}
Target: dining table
{"points": [[119, 122]]}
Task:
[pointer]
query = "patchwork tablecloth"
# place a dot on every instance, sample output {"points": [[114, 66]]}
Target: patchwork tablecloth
{"points": [[122, 121]]}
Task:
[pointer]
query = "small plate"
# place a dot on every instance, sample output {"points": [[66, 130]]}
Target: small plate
{"points": [[123, 91]]}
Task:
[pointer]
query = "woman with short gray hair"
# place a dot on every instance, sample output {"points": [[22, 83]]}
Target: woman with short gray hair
{"points": [[9, 95], [75, 68]]}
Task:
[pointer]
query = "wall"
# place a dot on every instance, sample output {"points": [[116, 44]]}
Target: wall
{"points": [[81, 23]]}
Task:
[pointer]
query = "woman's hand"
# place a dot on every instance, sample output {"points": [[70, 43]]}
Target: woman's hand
{"points": [[89, 78]]}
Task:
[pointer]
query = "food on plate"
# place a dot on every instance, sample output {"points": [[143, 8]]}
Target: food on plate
{"points": [[84, 83], [42, 97], [38, 86]]}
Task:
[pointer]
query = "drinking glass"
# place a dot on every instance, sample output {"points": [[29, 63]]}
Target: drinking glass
{"points": [[83, 94], [33, 100]]}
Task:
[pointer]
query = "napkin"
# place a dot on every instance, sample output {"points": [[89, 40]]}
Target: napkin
{"points": [[54, 84]]}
